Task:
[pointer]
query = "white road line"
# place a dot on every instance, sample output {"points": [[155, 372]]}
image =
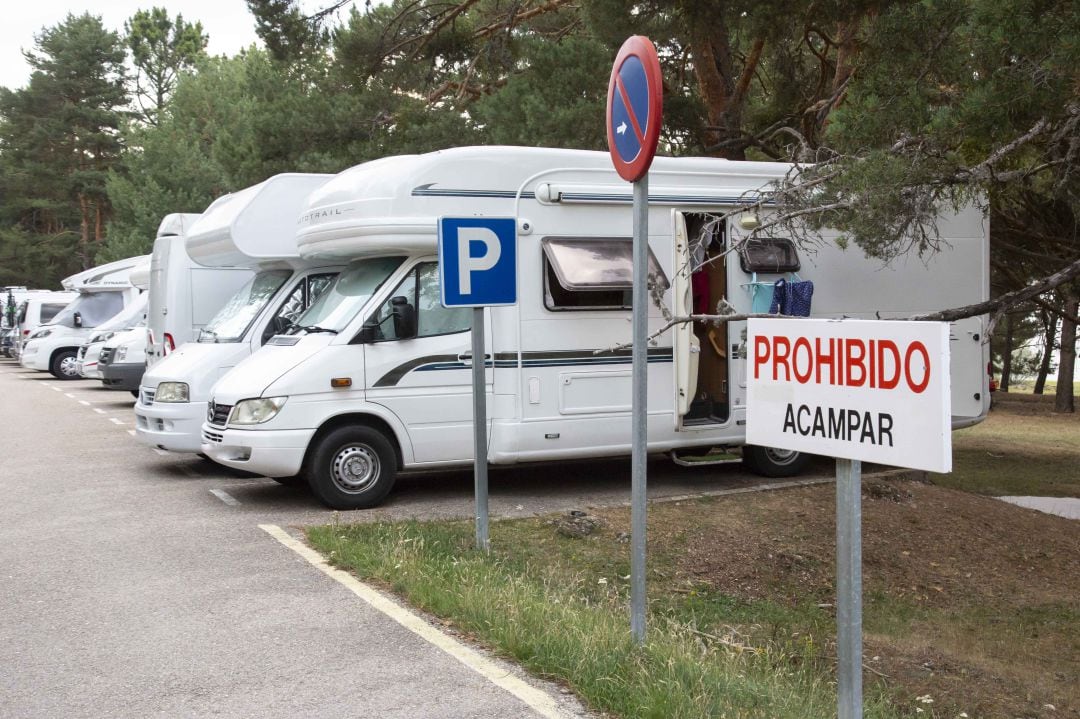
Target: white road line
{"points": [[99, 411], [56, 389], [83, 401], [69, 394], [538, 700], [131, 432], [225, 497], [114, 420], [160, 451]]}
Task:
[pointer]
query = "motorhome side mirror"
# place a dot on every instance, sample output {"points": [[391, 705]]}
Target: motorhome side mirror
{"points": [[368, 333], [404, 318], [76, 319]]}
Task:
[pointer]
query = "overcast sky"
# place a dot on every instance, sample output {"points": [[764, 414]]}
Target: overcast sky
{"points": [[227, 22]]}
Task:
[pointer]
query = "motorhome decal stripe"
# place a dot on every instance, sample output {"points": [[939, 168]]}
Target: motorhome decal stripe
{"points": [[429, 191], [509, 360]]}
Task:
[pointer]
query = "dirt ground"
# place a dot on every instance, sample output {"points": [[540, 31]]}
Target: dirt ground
{"points": [[968, 601]]}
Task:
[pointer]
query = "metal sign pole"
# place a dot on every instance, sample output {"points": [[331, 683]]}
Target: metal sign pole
{"points": [[849, 588], [480, 430], [639, 407]]}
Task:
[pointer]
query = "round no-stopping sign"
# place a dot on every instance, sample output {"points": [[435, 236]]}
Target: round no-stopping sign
{"points": [[634, 108]]}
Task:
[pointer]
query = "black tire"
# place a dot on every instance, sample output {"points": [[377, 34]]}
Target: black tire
{"points": [[352, 467], [63, 365], [771, 462]]}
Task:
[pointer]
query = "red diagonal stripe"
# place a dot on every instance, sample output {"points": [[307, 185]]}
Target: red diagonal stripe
{"points": [[630, 111]]}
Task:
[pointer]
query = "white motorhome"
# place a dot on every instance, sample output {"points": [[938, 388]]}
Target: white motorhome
{"points": [[134, 315], [184, 296], [383, 381], [254, 229], [103, 292], [31, 308]]}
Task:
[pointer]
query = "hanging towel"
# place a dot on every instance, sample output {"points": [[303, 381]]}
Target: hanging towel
{"points": [[761, 295], [792, 298]]}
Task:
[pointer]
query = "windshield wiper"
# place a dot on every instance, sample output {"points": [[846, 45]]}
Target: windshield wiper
{"points": [[315, 329]]}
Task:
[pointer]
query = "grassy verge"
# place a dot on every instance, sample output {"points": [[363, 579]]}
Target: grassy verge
{"points": [[1022, 448], [558, 607]]}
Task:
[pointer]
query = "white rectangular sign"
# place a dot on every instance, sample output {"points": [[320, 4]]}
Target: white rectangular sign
{"points": [[856, 389]]}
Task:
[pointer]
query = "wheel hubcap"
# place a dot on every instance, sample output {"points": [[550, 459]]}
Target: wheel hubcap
{"points": [[781, 456], [355, 469], [67, 367]]}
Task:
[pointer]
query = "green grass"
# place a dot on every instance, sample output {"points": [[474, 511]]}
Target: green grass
{"points": [[1021, 449], [558, 607]]}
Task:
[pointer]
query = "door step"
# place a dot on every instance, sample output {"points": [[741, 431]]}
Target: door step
{"points": [[692, 458]]}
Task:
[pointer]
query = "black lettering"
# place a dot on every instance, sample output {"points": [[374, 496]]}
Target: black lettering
{"points": [[867, 429], [836, 424], [803, 408], [853, 423], [789, 419], [885, 424], [819, 423]]}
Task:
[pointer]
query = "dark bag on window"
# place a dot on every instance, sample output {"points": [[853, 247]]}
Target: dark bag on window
{"points": [[792, 298]]}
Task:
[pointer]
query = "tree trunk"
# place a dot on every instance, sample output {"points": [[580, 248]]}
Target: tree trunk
{"points": [[1006, 355], [84, 231], [1063, 401], [1050, 323]]}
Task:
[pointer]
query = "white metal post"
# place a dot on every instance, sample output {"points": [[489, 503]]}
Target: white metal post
{"points": [[849, 588], [639, 408], [480, 430]]}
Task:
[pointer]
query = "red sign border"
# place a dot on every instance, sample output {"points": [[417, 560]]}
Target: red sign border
{"points": [[641, 47]]}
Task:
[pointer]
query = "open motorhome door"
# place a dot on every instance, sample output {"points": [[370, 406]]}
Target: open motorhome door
{"points": [[685, 344]]}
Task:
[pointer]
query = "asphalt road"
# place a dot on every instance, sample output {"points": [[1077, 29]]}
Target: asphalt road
{"points": [[136, 583]]}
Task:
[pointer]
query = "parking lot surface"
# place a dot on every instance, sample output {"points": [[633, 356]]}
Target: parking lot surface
{"points": [[134, 582]]}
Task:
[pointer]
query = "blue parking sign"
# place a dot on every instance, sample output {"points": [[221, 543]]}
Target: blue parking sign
{"points": [[478, 261]]}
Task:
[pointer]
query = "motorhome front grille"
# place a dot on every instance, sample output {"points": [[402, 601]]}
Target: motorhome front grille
{"points": [[146, 396], [213, 437], [105, 355], [218, 414]]}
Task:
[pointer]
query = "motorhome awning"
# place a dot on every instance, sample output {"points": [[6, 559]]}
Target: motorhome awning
{"points": [[597, 264]]}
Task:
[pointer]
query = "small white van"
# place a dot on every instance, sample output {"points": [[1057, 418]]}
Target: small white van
{"points": [[102, 293], [377, 377], [134, 315], [253, 229], [38, 307]]}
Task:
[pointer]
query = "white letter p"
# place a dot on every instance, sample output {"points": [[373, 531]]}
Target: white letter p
{"points": [[468, 264]]}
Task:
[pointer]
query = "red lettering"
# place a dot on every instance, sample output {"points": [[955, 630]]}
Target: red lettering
{"points": [[808, 355], [870, 356], [781, 353], [854, 361], [885, 382], [911, 350], [829, 359], [761, 354]]}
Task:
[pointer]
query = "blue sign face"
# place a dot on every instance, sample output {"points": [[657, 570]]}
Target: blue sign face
{"points": [[630, 109], [478, 261]]}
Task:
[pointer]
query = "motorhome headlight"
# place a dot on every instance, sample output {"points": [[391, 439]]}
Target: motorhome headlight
{"points": [[121, 353], [256, 411], [40, 333], [171, 392], [102, 337]]}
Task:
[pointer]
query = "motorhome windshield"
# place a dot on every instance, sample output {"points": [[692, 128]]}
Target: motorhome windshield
{"points": [[232, 321], [337, 306], [134, 315], [93, 309]]}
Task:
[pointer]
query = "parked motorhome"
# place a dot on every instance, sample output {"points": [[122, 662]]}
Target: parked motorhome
{"points": [[123, 359], [381, 380], [37, 307], [184, 296], [102, 293], [253, 229], [134, 315]]}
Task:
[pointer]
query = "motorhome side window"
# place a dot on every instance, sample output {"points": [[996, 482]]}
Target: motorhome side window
{"points": [[592, 274], [421, 289], [769, 254], [48, 312]]}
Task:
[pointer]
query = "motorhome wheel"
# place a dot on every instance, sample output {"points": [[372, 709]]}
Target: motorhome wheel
{"points": [[63, 365], [352, 468], [773, 462]]}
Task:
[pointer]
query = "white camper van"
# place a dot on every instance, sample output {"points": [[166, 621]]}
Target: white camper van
{"points": [[184, 296], [37, 308], [103, 292], [380, 380], [134, 315], [256, 229]]}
